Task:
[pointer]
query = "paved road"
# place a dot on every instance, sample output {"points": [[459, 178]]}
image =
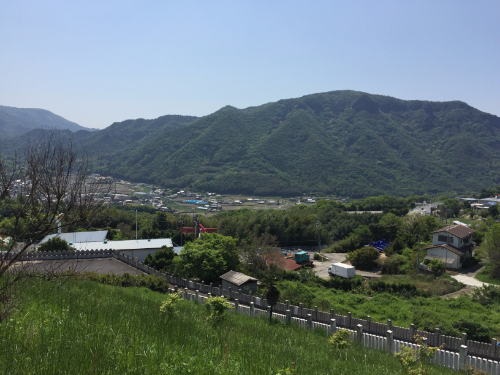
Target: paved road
{"points": [[467, 280], [321, 268]]}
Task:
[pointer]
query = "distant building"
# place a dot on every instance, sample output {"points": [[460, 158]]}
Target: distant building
{"points": [[237, 280], [451, 244], [133, 248], [79, 237]]}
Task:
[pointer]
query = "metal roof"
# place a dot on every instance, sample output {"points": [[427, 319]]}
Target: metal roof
{"points": [[125, 245], [77, 237], [453, 249], [237, 278]]}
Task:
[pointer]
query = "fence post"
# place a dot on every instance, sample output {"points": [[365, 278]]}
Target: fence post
{"points": [[331, 313], [463, 341], [316, 313], [359, 332], [175, 288], [388, 344], [368, 323], [300, 310], [211, 286], [462, 357], [412, 332], [236, 304], [333, 326], [252, 309], [197, 294], [288, 318], [389, 324], [186, 294], [268, 310], [349, 317], [309, 321], [437, 337], [494, 347], [287, 305]]}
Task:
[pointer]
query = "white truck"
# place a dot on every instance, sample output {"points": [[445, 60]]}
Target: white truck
{"points": [[342, 270]]}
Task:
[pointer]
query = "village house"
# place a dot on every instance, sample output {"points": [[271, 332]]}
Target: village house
{"points": [[452, 244]]}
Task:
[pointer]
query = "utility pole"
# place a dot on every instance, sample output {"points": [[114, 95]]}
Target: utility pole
{"points": [[319, 235], [136, 225], [418, 255], [180, 223]]}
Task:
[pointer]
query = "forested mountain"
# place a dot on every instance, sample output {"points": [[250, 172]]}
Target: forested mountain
{"points": [[342, 142], [16, 121]]}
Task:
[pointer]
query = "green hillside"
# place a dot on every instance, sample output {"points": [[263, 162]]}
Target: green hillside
{"points": [[81, 327], [16, 121], [343, 142]]}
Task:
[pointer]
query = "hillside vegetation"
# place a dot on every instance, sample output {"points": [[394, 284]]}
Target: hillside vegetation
{"points": [[17, 121], [346, 143], [85, 327]]}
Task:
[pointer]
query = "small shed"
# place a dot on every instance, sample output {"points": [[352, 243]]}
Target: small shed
{"points": [[301, 256], [237, 280]]}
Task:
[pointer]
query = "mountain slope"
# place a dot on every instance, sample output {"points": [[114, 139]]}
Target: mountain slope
{"points": [[342, 142], [16, 121]]}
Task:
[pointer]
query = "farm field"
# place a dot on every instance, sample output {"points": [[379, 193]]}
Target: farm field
{"points": [[82, 327]]}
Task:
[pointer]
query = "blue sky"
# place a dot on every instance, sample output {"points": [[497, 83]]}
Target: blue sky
{"points": [[97, 62]]}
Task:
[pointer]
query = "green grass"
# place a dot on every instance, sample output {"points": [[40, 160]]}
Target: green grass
{"points": [[435, 286], [425, 313], [485, 277], [83, 327]]}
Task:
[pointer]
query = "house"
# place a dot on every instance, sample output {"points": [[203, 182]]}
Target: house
{"points": [[237, 280], [451, 244]]}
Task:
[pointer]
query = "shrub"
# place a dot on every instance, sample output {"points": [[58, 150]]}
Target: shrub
{"points": [[436, 265], [340, 339], [391, 265], [169, 306], [413, 360], [364, 258], [55, 244], [217, 307], [317, 257]]}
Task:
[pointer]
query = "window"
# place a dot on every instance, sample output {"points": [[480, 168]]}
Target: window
{"points": [[466, 240], [442, 238]]}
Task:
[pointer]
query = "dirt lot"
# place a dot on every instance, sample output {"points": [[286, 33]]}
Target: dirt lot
{"points": [[99, 265], [321, 268]]}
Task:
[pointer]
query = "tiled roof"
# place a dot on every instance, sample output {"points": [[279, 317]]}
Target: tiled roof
{"points": [[237, 278], [447, 247], [461, 231]]}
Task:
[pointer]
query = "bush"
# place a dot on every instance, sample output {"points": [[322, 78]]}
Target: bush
{"points": [[317, 257], [169, 306], [364, 258], [217, 307], [340, 339], [55, 244], [436, 265], [475, 331], [392, 265]]}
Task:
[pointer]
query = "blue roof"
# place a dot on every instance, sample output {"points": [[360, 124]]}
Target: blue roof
{"points": [[301, 253]]}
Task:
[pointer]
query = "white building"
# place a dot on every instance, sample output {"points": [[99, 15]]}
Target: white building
{"points": [[133, 248], [452, 245]]}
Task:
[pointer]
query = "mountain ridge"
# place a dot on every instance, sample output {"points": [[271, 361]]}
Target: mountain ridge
{"points": [[347, 143], [16, 121]]}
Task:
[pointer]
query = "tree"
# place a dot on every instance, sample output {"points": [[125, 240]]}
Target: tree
{"points": [[272, 296], [364, 258], [492, 246], [162, 260], [55, 244], [209, 257], [38, 182]]}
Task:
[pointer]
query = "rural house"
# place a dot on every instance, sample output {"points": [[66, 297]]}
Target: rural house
{"points": [[451, 244]]}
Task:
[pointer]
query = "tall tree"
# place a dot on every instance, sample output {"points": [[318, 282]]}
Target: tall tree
{"points": [[40, 184]]}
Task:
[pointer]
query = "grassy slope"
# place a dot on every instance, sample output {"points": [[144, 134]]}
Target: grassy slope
{"points": [[85, 327]]}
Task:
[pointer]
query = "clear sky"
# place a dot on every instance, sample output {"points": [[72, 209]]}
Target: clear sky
{"points": [[97, 62]]}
